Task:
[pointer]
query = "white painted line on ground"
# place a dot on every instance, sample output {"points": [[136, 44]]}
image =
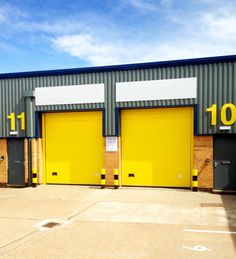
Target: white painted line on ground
{"points": [[210, 231], [197, 248]]}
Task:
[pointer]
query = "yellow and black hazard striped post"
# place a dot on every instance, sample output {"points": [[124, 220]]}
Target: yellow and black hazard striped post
{"points": [[34, 177], [103, 178], [116, 178], [195, 180]]}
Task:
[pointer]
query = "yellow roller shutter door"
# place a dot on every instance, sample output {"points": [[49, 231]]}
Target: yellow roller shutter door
{"points": [[73, 147], [157, 147]]}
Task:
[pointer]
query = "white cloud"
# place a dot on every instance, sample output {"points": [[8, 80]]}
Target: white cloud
{"points": [[2, 17], [87, 47], [166, 3], [98, 52], [8, 12], [189, 34], [3, 14], [197, 34], [64, 26], [221, 24], [143, 5]]}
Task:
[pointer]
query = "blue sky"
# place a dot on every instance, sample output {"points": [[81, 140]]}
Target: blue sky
{"points": [[55, 34]]}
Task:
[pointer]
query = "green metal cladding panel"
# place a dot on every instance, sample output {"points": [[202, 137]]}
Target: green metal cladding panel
{"points": [[216, 83], [12, 97]]}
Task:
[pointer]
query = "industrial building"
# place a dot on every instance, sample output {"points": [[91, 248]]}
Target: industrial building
{"points": [[154, 122]]}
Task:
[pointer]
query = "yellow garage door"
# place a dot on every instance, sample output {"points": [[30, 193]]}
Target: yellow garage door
{"points": [[73, 147], [157, 147]]}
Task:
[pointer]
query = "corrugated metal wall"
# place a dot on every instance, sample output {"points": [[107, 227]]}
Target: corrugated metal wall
{"points": [[216, 84], [12, 99]]}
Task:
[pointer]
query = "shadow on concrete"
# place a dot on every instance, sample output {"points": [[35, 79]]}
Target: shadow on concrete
{"points": [[94, 187], [229, 204]]}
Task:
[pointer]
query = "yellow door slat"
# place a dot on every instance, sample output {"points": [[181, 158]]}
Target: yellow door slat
{"points": [[73, 147], [157, 147]]}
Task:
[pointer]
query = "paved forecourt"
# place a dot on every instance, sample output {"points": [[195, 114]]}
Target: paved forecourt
{"points": [[59, 221]]}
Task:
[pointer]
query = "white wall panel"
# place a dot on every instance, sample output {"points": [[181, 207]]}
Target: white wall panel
{"points": [[181, 88], [71, 94]]}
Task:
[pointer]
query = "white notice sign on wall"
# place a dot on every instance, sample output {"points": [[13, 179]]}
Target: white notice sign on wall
{"points": [[111, 144]]}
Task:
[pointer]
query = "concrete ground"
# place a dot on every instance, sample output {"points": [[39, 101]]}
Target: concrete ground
{"points": [[123, 223]]}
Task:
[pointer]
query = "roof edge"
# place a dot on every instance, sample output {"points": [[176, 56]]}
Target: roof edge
{"points": [[134, 66]]}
